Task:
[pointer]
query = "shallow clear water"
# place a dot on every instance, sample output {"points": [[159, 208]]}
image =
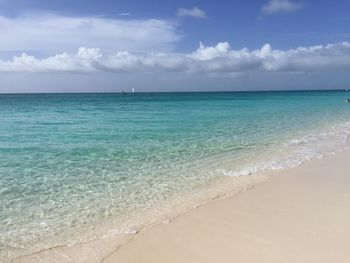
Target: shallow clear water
{"points": [[72, 162]]}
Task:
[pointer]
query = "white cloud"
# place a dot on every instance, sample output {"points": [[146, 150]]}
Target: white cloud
{"points": [[54, 33], [279, 6], [192, 12], [208, 53], [217, 59], [124, 14]]}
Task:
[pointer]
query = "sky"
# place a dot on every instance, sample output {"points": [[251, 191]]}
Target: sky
{"points": [[110, 46]]}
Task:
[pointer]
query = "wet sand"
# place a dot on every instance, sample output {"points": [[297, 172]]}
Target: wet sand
{"points": [[300, 215]]}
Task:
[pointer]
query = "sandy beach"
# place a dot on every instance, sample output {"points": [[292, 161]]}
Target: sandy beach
{"points": [[300, 215]]}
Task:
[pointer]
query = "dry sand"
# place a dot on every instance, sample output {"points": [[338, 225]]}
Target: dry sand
{"points": [[300, 215]]}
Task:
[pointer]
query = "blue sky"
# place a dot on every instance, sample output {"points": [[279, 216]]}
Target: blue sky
{"points": [[62, 46]]}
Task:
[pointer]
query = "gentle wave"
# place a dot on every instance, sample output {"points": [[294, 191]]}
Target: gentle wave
{"points": [[292, 153], [296, 151], [118, 165]]}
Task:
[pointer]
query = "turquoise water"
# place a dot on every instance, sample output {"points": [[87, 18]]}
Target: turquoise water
{"points": [[70, 163]]}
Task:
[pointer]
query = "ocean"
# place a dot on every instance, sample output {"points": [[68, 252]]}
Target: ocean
{"points": [[75, 166]]}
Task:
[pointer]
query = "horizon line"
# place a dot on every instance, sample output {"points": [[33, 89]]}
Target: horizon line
{"points": [[200, 91]]}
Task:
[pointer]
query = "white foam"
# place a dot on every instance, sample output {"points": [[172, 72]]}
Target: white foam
{"points": [[296, 151]]}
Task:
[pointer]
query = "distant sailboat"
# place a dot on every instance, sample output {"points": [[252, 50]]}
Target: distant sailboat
{"points": [[133, 90]]}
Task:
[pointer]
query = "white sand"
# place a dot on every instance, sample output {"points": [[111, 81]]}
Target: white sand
{"points": [[300, 215]]}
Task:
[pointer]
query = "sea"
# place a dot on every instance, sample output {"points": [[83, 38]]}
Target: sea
{"points": [[75, 166]]}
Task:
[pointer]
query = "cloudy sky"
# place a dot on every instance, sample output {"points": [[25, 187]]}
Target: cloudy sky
{"points": [[106, 45]]}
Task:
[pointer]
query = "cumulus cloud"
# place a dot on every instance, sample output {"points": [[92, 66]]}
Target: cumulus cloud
{"points": [[279, 6], [216, 59], [192, 12], [55, 33]]}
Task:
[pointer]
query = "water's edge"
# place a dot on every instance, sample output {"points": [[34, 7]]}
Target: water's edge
{"points": [[87, 251], [81, 175]]}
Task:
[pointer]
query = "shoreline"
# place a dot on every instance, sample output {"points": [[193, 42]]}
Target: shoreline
{"points": [[109, 250], [112, 182], [300, 215], [85, 251]]}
